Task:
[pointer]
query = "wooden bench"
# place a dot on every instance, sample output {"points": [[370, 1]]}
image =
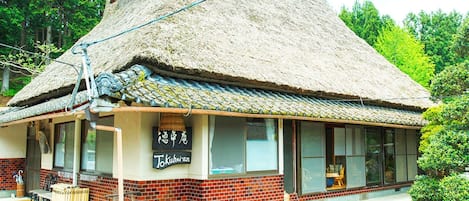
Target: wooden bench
{"points": [[46, 193], [39, 194]]}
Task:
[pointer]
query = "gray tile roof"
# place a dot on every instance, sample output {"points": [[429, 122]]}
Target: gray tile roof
{"points": [[59, 104], [139, 84]]}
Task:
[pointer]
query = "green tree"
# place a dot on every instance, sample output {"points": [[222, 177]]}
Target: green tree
{"points": [[63, 22], [445, 140], [435, 30], [461, 40], [28, 65], [10, 21], [51, 23], [365, 21], [403, 50]]}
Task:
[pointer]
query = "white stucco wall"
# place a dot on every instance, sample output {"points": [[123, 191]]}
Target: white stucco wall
{"points": [[198, 169], [47, 159], [13, 141], [138, 153]]}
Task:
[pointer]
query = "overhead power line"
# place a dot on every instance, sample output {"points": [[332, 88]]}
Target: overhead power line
{"points": [[40, 55], [162, 17], [87, 70]]}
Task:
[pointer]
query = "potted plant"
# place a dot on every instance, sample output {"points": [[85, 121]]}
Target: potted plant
{"points": [[19, 183]]}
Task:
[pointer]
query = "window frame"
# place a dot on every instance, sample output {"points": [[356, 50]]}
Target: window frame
{"points": [[56, 139], [83, 130], [245, 129]]}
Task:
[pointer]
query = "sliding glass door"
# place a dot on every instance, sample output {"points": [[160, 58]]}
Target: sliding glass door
{"points": [[389, 157], [373, 164], [380, 156], [355, 169], [313, 167]]}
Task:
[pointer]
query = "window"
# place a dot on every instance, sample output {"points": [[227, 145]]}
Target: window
{"points": [[345, 157], [391, 155], [97, 147], [335, 157], [242, 145], [312, 157], [412, 153], [401, 158], [64, 145], [355, 151], [374, 156], [406, 146]]}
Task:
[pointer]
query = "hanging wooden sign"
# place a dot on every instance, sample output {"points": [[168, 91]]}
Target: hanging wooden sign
{"points": [[171, 139], [162, 160]]}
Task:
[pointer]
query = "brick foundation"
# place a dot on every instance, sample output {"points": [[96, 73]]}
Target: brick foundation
{"points": [[7, 167], [249, 188]]}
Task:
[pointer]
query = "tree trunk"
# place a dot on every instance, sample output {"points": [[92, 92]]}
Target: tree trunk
{"points": [[48, 41], [6, 79], [23, 34]]}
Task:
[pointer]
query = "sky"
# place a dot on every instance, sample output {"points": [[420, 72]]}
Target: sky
{"points": [[398, 9]]}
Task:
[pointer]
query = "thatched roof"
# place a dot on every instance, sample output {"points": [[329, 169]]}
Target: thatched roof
{"points": [[293, 46]]}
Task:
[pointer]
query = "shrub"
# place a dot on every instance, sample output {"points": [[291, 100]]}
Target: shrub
{"points": [[9, 92], [425, 189], [454, 188]]}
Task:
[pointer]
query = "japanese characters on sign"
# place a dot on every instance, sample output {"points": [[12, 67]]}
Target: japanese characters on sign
{"points": [[172, 140], [172, 147]]}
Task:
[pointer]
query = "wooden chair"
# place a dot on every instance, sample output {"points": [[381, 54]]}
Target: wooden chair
{"points": [[340, 179]]}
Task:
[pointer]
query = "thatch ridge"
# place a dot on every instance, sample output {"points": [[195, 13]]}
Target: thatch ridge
{"points": [[299, 46]]}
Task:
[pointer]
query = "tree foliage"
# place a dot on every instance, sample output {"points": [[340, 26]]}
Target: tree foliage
{"points": [[452, 81], [461, 41], [445, 140], [11, 19], [43, 27], [28, 64], [436, 30], [68, 19], [403, 50], [365, 21]]}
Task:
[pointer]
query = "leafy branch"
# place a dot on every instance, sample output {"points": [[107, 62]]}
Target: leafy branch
{"points": [[29, 64]]}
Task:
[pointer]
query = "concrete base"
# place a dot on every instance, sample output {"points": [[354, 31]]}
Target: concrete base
{"points": [[384, 195]]}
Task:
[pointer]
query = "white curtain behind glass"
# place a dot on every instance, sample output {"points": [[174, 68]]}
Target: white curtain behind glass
{"points": [[262, 153]]}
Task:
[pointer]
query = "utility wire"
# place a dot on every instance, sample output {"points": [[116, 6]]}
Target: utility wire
{"points": [[371, 99], [32, 72], [86, 67], [162, 17], [40, 55]]}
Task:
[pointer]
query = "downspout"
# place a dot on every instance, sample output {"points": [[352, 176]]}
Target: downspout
{"points": [[77, 150], [120, 164]]}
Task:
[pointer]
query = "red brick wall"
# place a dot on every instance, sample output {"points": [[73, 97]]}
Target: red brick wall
{"points": [[250, 188], [7, 167]]}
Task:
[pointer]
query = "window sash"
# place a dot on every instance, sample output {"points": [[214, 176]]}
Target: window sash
{"points": [[64, 145], [312, 157], [97, 147], [238, 145]]}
